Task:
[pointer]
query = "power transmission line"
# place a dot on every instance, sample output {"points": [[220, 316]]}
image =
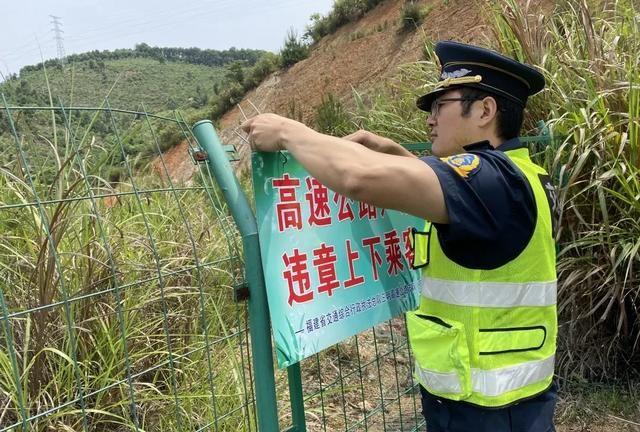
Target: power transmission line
{"points": [[58, 32]]}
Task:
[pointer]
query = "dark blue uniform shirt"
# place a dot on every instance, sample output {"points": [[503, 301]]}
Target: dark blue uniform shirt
{"points": [[491, 207]]}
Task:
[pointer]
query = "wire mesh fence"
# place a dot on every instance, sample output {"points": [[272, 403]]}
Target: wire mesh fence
{"points": [[119, 285], [116, 285]]}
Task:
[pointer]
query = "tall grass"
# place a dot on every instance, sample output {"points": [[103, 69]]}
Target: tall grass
{"points": [[589, 56], [116, 297]]}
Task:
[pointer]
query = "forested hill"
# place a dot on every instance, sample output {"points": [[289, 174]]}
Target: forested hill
{"points": [[160, 78], [205, 57]]}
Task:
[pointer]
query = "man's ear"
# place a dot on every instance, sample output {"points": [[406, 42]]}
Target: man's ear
{"points": [[488, 110]]}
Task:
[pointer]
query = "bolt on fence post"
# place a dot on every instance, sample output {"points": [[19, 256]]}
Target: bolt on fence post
{"points": [[259, 326]]}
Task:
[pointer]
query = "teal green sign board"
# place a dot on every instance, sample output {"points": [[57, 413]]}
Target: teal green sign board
{"points": [[333, 267]]}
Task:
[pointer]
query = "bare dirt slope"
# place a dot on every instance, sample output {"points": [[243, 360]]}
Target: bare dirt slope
{"points": [[360, 56]]}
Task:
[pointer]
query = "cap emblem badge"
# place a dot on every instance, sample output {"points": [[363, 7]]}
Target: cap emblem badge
{"points": [[455, 74]]}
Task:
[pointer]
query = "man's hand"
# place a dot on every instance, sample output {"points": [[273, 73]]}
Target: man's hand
{"points": [[269, 132], [377, 143], [369, 140]]}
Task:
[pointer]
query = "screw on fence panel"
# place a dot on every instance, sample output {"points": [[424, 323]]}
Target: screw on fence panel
{"points": [[51, 246], [200, 156], [258, 311], [241, 292]]}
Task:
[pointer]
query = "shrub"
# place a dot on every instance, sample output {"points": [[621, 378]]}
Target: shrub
{"points": [[411, 16], [267, 64], [240, 81], [293, 51], [227, 99], [343, 12], [331, 117]]}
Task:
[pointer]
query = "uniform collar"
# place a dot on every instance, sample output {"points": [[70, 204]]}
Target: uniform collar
{"points": [[480, 145], [508, 145], [511, 144]]}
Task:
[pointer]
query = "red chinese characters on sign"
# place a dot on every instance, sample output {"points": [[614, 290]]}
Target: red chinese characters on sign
{"points": [[325, 263], [367, 210], [301, 267], [352, 256], [376, 259], [297, 277], [345, 212], [409, 252], [392, 252], [318, 198], [324, 259], [288, 208]]}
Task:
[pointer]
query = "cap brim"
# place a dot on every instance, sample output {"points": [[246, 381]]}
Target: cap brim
{"points": [[424, 102]]}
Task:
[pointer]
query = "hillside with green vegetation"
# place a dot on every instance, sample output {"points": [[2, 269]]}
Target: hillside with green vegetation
{"points": [[196, 83], [129, 78]]}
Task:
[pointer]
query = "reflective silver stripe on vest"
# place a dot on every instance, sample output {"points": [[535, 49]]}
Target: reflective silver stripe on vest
{"points": [[499, 381], [490, 294], [438, 381], [494, 382]]}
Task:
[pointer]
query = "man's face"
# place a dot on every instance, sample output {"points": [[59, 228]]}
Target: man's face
{"points": [[450, 131]]}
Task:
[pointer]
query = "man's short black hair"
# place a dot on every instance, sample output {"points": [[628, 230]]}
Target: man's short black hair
{"points": [[510, 114]]}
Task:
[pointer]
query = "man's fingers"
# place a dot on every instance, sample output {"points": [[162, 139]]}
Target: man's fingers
{"points": [[360, 137], [246, 126], [353, 137]]}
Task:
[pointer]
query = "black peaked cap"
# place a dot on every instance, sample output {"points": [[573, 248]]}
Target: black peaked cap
{"points": [[471, 66]]}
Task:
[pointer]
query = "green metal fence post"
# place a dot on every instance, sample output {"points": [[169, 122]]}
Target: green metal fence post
{"points": [[297, 399], [259, 324]]}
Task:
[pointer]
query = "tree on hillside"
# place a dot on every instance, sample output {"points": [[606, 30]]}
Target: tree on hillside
{"points": [[235, 71], [294, 50]]}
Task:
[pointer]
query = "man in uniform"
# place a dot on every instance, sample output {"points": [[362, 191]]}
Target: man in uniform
{"points": [[484, 335]]}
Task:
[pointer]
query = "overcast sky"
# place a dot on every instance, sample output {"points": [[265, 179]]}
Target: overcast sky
{"points": [[26, 29]]}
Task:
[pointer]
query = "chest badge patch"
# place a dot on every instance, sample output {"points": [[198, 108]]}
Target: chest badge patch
{"points": [[463, 164]]}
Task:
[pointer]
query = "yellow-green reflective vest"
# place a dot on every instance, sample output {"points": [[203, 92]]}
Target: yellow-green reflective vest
{"points": [[488, 337]]}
